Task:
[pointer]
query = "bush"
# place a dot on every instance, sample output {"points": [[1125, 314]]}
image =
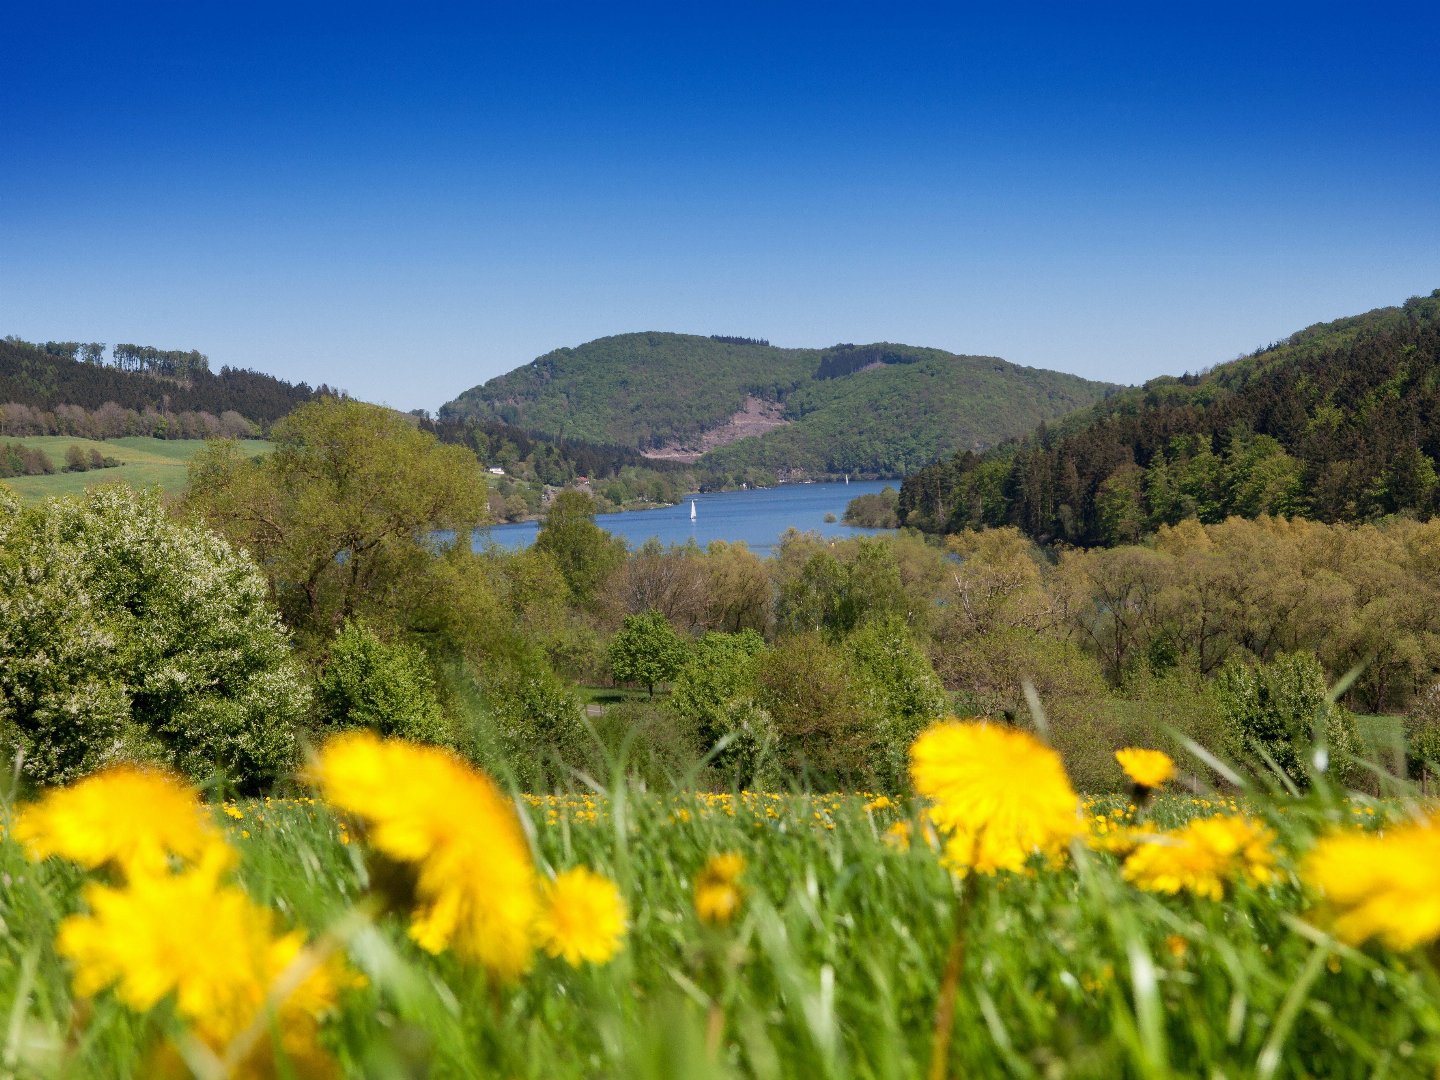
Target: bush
{"points": [[371, 684], [1275, 712], [1422, 736], [658, 748], [807, 689], [127, 636], [537, 723], [901, 693], [716, 692]]}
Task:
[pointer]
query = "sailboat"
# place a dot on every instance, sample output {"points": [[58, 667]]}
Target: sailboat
{"points": [[692, 509]]}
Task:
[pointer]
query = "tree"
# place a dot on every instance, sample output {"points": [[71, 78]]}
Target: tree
{"points": [[348, 510], [367, 682], [585, 553], [126, 636], [646, 650]]}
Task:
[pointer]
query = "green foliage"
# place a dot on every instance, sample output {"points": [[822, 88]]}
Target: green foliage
{"points": [[900, 692], [534, 723], [369, 683], [147, 391], [827, 590], [716, 691], [1337, 423], [585, 553], [342, 514], [1422, 736], [125, 636], [879, 410], [1278, 715], [877, 511], [654, 746], [817, 707], [646, 650]]}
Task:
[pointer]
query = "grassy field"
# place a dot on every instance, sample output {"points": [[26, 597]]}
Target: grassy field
{"points": [[831, 968], [147, 462]]}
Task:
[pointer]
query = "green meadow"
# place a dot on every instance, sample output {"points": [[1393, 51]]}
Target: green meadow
{"points": [[147, 462]]}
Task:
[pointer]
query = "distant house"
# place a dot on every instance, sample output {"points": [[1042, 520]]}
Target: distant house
{"points": [[497, 470]]}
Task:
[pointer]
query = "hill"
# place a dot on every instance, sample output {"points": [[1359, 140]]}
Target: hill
{"points": [[1338, 422], [144, 392], [739, 405]]}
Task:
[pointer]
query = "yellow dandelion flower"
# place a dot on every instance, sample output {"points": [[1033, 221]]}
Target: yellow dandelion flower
{"points": [[583, 918], [898, 836], [999, 793], [1384, 886], [142, 938], [130, 817], [1203, 857], [1147, 768], [475, 883], [717, 888]]}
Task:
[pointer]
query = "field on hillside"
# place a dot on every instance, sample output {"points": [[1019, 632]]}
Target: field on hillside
{"points": [[147, 462], [831, 965]]}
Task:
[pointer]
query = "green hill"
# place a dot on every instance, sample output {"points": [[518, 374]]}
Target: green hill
{"points": [[1338, 422], [738, 405]]}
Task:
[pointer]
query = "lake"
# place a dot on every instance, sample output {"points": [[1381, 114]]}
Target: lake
{"points": [[759, 517]]}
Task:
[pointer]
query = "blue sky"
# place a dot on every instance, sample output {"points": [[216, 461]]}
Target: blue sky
{"points": [[406, 201]]}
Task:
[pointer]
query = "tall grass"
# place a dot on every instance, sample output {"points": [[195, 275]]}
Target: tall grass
{"points": [[831, 970]]}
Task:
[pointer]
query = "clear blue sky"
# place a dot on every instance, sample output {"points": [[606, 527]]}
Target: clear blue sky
{"points": [[406, 202]]}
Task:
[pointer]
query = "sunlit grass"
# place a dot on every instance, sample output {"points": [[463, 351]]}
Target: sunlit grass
{"points": [[830, 970]]}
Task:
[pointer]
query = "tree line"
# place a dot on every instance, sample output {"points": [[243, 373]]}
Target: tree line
{"points": [[1336, 423], [43, 378]]}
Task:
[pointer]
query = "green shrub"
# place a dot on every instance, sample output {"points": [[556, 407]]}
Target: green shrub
{"points": [[369, 683], [1280, 713], [127, 636]]}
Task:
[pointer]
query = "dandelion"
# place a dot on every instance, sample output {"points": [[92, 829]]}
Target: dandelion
{"points": [[717, 888], [475, 887], [1203, 857], [1384, 886], [583, 918], [142, 938], [133, 818], [1146, 768], [999, 793]]}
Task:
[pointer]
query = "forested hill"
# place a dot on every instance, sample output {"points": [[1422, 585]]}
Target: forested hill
{"points": [[43, 378], [882, 409], [1339, 422]]}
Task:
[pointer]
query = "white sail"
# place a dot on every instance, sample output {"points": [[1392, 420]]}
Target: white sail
{"points": [[692, 509]]}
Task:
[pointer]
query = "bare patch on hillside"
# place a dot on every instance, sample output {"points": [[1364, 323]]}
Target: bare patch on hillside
{"points": [[756, 418]]}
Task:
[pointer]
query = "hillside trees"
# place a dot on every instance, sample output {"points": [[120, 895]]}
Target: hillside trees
{"points": [[1336, 423], [126, 636]]}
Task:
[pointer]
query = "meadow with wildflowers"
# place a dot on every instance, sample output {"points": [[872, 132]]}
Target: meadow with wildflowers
{"points": [[409, 916]]}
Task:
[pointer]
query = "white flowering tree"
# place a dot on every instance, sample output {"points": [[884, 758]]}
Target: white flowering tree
{"points": [[127, 636]]}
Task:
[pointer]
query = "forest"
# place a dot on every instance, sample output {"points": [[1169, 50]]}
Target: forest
{"points": [[143, 382], [875, 410], [1339, 422]]}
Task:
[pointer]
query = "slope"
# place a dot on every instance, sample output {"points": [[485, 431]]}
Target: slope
{"points": [[877, 409], [1339, 422]]}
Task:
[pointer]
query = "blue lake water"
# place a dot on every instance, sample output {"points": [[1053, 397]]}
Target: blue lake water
{"points": [[759, 517]]}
